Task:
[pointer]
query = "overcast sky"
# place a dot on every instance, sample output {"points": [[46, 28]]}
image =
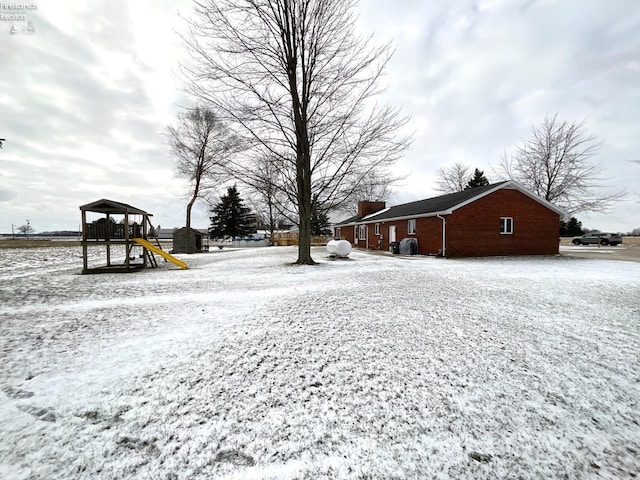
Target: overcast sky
{"points": [[86, 92]]}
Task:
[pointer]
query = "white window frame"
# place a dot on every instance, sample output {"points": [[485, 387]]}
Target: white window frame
{"points": [[338, 232], [506, 225], [362, 235], [411, 226], [355, 234], [377, 229]]}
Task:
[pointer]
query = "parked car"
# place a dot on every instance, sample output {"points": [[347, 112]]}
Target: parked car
{"points": [[612, 239]]}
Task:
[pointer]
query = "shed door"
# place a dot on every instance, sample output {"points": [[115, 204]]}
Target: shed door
{"points": [[392, 233]]}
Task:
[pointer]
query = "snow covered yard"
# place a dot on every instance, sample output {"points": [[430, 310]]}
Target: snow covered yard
{"points": [[375, 367]]}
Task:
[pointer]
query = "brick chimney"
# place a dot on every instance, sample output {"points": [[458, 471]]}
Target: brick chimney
{"points": [[366, 207]]}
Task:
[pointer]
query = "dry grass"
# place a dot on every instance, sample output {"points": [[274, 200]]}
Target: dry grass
{"points": [[37, 243]]}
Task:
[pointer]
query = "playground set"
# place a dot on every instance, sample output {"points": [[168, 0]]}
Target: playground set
{"points": [[121, 225]]}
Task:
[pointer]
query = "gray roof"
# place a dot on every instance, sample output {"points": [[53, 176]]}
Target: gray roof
{"points": [[110, 206], [201, 231], [443, 204]]}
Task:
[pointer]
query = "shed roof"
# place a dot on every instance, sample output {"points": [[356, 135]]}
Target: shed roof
{"points": [[111, 206], [194, 230], [444, 204]]}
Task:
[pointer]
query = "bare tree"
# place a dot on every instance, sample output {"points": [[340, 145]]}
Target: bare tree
{"points": [[26, 229], [375, 187], [294, 78], [555, 163], [454, 178], [269, 203], [202, 145]]}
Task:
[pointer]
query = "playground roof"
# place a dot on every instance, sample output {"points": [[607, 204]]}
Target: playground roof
{"points": [[110, 206]]}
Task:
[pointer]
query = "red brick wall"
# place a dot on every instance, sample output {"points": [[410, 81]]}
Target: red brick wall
{"points": [[474, 230], [346, 233]]}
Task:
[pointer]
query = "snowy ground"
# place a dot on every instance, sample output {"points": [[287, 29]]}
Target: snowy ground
{"points": [[246, 367]]}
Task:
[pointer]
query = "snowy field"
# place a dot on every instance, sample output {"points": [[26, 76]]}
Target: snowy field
{"points": [[246, 367]]}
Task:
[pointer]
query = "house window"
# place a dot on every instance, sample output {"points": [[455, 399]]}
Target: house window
{"points": [[506, 226], [377, 229], [337, 232], [411, 227], [363, 233], [355, 234]]}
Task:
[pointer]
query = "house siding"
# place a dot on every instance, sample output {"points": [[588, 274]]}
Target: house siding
{"points": [[474, 229], [346, 233]]}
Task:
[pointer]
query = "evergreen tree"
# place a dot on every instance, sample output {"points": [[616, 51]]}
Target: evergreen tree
{"points": [[572, 228], [320, 224], [563, 228], [478, 180], [230, 218]]}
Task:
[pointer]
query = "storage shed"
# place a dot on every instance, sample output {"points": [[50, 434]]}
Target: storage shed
{"points": [[189, 241]]}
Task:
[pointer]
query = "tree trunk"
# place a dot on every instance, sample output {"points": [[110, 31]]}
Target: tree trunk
{"points": [[272, 222], [188, 245], [303, 178], [304, 207], [304, 233]]}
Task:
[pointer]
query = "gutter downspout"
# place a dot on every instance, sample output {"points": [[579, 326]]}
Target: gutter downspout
{"points": [[444, 235]]}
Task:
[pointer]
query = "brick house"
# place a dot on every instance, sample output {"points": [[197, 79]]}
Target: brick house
{"points": [[499, 219]]}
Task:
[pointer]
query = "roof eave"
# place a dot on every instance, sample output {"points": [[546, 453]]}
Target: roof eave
{"points": [[393, 219], [113, 207]]}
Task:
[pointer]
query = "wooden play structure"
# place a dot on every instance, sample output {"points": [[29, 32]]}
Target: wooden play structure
{"points": [[120, 225]]}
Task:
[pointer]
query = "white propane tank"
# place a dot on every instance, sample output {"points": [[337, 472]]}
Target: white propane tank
{"points": [[340, 248]]}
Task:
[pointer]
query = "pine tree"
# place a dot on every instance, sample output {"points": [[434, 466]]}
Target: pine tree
{"points": [[320, 223], [230, 218], [478, 180], [574, 227], [563, 228]]}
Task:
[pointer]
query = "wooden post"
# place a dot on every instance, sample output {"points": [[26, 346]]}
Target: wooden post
{"points": [[84, 241], [107, 237], [145, 220], [126, 238]]}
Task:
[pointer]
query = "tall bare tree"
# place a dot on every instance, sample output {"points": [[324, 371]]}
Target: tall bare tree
{"points": [[454, 178], [203, 146], [294, 78], [556, 164]]}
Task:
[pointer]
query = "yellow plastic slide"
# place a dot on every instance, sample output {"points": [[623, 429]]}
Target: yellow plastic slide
{"points": [[161, 252]]}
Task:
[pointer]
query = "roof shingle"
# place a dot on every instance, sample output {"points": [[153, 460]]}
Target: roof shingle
{"points": [[428, 206]]}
